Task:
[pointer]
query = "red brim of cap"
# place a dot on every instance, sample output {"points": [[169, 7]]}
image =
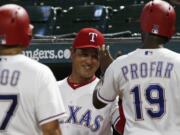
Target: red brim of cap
{"points": [[87, 46]]}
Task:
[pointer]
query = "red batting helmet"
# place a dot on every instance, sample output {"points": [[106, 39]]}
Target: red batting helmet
{"points": [[15, 27], [88, 38], [158, 17]]}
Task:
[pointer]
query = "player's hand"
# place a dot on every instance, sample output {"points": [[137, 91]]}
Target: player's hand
{"points": [[105, 58]]}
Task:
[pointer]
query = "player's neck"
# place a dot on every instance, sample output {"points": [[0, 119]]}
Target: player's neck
{"points": [[152, 43], [78, 79], [10, 50], [151, 46]]}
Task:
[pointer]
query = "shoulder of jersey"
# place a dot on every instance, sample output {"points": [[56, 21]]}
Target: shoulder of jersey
{"points": [[60, 82], [97, 79], [172, 54], [35, 64], [121, 59]]}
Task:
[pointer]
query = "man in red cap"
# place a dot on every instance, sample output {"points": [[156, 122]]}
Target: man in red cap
{"points": [[77, 89]]}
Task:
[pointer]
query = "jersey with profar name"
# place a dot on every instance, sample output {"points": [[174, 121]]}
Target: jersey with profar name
{"points": [[149, 80], [29, 96], [83, 118]]}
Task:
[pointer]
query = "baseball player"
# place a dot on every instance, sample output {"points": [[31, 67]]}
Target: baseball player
{"points": [[147, 79], [77, 89], [30, 101]]}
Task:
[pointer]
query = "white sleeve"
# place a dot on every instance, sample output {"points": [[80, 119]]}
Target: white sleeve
{"points": [[107, 93], [49, 101], [115, 116]]}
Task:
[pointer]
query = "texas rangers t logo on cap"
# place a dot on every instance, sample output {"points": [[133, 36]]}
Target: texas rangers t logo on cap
{"points": [[93, 36]]}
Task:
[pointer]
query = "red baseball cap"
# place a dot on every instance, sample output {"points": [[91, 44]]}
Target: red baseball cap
{"points": [[88, 38]]}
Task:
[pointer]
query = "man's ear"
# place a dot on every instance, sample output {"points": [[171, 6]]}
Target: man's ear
{"points": [[72, 50]]}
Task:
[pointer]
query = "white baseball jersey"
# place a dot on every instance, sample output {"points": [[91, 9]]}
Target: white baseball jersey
{"points": [[29, 96], [83, 118], [149, 80]]}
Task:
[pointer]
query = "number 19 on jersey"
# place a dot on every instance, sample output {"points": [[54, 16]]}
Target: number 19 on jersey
{"points": [[157, 101]]}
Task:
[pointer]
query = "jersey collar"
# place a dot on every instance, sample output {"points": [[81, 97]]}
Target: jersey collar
{"points": [[77, 85]]}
